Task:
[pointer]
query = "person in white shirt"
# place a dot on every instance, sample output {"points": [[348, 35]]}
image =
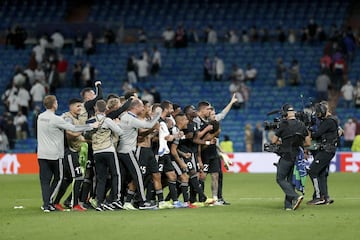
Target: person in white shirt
{"points": [[58, 41], [212, 35], [142, 69], [24, 100], [219, 68], [250, 73], [38, 93], [347, 92], [20, 122], [156, 61], [168, 37]]}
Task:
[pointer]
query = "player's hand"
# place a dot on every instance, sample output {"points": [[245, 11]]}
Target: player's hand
{"points": [[158, 110], [234, 99], [97, 83]]}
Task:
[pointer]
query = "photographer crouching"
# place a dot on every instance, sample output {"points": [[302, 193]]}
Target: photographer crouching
{"points": [[290, 135], [327, 136]]}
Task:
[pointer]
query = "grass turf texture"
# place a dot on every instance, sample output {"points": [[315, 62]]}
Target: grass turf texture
{"points": [[255, 213]]}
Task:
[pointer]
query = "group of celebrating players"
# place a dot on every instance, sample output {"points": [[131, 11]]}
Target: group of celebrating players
{"points": [[134, 151]]}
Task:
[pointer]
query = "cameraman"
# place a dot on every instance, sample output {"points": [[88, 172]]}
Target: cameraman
{"points": [[327, 135], [290, 135]]}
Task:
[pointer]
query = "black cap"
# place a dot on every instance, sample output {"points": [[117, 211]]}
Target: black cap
{"points": [[287, 108]]}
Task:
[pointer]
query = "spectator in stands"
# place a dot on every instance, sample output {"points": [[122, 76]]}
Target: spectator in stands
{"points": [[249, 138], [347, 93], [58, 41], [304, 35], [208, 69], [294, 73], [180, 37], [142, 37], [142, 69], [349, 132], [19, 37], [89, 44], [227, 145], [321, 35], [339, 70], [109, 36], [30, 75], [38, 93], [53, 79], [78, 44], [357, 94], [323, 83], [258, 138], [77, 72], [281, 36], [39, 53], [13, 101], [250, 73], [219, 68], [312, 29], [62, 66], [10, 129], [211, 35], [4, 142], [131, 69], [40, 74], [88, 74], [24, 100], [156, 61], [20, 122], [280, 73], [168, 36], [237, 74], [245, 37], [292, 36], [325, 63], [232, 37], [235, 88]]}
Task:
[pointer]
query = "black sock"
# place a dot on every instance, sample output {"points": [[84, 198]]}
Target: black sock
{"points": [[129, 196], [184, 189], [201, 185], [160, 195], [195, 183], [173, 191]]}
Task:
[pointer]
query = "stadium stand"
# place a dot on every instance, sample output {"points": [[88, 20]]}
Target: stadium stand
{"points": [[181, 76]]}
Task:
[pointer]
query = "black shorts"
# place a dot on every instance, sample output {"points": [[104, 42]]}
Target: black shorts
{"points": [[191, 163], [212, 165], [147, 160], [71, 165], [164, 163]]}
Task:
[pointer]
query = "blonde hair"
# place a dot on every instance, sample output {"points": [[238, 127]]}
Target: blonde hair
{"points": [[49, 101]]}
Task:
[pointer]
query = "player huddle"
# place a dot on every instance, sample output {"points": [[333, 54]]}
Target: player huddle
{"points": [[134, 151]]}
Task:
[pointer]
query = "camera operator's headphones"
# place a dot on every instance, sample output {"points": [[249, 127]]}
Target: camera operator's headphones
{"points": [[285, 109], [320, 110]]}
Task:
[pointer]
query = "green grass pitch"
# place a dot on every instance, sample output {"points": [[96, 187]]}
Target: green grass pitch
{"points": [[255, 213]]}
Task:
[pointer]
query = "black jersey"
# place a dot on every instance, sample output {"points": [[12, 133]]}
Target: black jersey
{"points": [[190, 132]]}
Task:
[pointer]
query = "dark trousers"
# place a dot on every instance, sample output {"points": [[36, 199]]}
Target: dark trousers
{"points": [[105, 163], [318, 172], [132, 166], [51, 174], [284, 179]]}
